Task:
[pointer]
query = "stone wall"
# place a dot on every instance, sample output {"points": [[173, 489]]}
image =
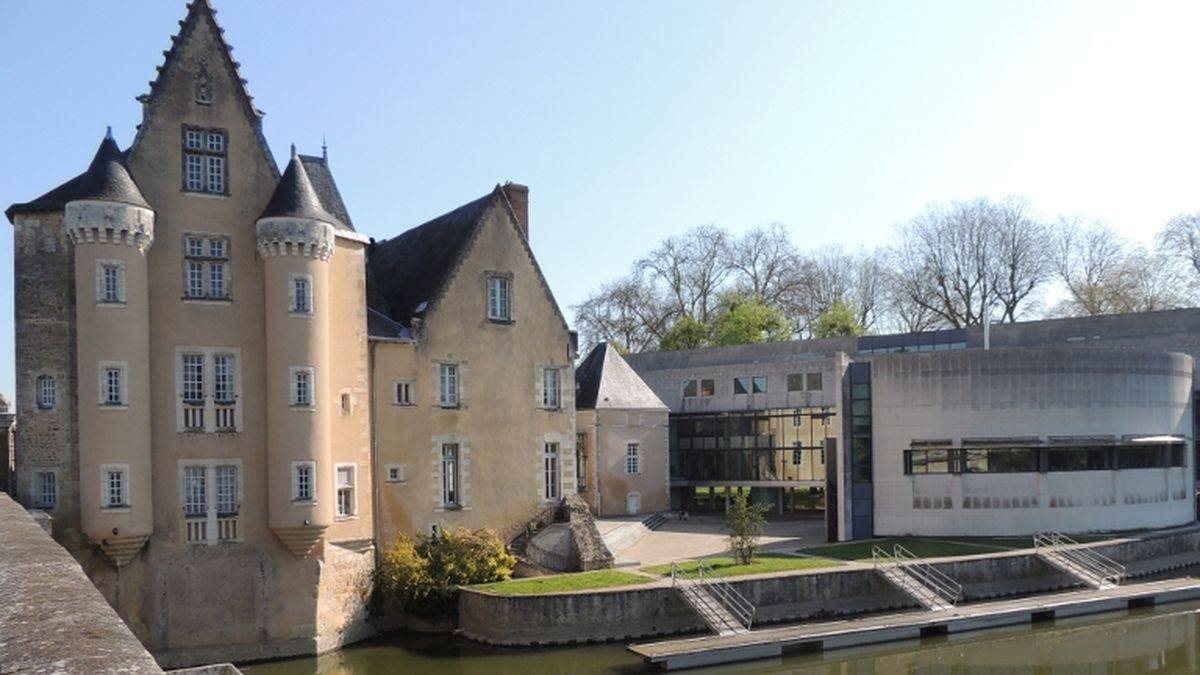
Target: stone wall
{"points": [[588, 551], [657, 609], [53, 619]]}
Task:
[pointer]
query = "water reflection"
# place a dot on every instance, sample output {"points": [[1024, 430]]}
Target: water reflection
{"points": [[1166, 640]]}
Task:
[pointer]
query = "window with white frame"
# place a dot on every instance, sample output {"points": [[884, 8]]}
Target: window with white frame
{"points": [[195, 491], [112, 384], [550, 470], [223, 374], [110, 282], [46, 484], [193, 378], [301, 300], [450, 494], [302, 387], [633, 459], [227, 490], [115, 486], [206, 267], [448, 385], [204, 160], [304, 485], [404, 393], [499, 298], [346, 504], [550, 388], [47, 392]]}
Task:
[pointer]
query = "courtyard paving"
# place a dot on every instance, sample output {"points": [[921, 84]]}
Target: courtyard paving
{"points": [[701, 536]]}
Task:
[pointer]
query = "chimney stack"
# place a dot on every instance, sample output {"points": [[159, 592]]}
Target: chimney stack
{"points": [[518, 199]]}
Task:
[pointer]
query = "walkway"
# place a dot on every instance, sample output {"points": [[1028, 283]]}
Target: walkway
{"points": [[774, 642]]}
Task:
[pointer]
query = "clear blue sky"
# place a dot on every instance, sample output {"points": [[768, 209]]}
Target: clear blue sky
{"points": [[632, 121]]}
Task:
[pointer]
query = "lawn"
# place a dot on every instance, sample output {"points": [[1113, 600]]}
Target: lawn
{"points": [[564, 582], [724, 566]]}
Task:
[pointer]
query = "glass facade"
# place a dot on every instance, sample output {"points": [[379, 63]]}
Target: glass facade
{"points": [[1044, 459], [764, 445]]}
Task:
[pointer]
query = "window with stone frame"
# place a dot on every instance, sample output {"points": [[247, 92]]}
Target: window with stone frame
{"points": [[205, 160], [550, 471], [302, 387], [304, 477], [112, 381], [633, 459], [347, 505], [450, 482], [551, 388], [46, 483], [110, 282], [499, 287], [206, 267], [47, 392], [115, 488], [404, 393], [448, 385]]}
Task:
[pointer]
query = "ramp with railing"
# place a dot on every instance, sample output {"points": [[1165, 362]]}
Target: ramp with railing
{"points": [[723, 609], [1085, 564], [932, 588]]}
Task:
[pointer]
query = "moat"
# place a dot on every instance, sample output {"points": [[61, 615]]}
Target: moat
{"points": [[1161, 640]]}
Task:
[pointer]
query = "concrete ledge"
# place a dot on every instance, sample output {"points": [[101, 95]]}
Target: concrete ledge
{"points": [[52, 619]]}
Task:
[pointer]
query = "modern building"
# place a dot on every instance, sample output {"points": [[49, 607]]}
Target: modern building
{"points": [[1067, 424], [621, 437], [229, 397]]}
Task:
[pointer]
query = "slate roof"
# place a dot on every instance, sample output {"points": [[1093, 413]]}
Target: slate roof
{"points": [[106, 179], [295, 197], [406, 273], [605, 380], [322, 182]]}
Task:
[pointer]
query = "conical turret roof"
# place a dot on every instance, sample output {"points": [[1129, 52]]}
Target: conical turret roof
{"points": [[107, 179], [295, 197]]}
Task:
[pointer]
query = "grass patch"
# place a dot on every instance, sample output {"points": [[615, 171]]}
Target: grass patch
{"points": [[724, 566], [558, 583]]}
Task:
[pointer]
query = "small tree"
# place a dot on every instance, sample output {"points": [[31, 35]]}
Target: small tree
{"points": [[837, 321], [749, 322], [745, 524], [685, 333]]}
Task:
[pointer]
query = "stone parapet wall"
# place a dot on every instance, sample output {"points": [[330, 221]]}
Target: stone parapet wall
{"points": [[588, 551], [53, 619]]}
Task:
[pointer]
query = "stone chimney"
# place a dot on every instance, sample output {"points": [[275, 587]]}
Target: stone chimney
{"points": [[518, 199]]}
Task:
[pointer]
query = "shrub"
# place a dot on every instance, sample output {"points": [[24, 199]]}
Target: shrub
{"points": [[423, 575]]}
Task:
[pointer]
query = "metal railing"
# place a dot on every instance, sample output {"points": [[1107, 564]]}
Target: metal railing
{"points": [[1097, 568], [709, 589], [944, 589]]}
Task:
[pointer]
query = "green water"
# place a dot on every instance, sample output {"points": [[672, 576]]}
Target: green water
{"points": [[1161, 640]]}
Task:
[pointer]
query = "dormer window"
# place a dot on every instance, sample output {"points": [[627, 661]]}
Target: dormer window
{"points": [[204, 160]]}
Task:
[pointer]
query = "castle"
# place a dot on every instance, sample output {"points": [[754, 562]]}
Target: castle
{"points": [[229, 399]]}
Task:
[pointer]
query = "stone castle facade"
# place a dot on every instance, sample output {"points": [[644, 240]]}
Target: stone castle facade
{"points": [[229, 399]]}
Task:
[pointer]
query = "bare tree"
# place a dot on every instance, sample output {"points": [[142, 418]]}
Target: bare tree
{"points": [[628, 311], [1181, 239], [692, 269], [764, 264], [1087, 259], [959, 261]]}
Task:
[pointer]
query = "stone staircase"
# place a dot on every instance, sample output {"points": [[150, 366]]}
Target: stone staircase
{"points": [[1088, 566], [655, 521], [931, 588], [723, 609]]}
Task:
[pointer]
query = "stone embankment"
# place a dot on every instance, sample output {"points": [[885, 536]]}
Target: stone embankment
{"points": [[657, 609]]}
